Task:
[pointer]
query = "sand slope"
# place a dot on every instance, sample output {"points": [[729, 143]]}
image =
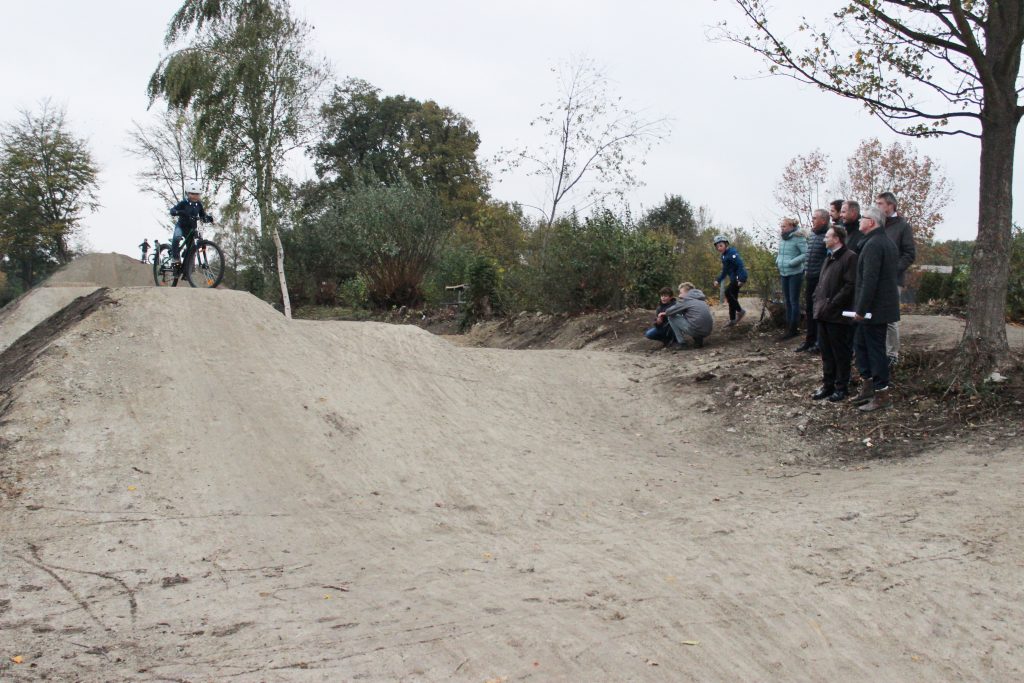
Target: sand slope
{"points": [[196, 489], [79, 278]]}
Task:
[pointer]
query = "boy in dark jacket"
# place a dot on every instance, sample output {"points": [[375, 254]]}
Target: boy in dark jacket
{"points": [[662, 331], [833, 295], [187, 211], [732, 267]]}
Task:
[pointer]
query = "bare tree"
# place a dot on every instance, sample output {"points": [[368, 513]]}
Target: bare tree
{"points": [[925, 68], [592, 141], [172, 152], [801, 189]]}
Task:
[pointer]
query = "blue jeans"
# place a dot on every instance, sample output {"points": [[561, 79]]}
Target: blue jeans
{"points": [[176, 242], [791, 296], [662, 334]]}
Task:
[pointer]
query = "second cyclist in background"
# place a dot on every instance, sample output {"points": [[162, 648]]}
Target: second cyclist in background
{"points": [[187, 211]]}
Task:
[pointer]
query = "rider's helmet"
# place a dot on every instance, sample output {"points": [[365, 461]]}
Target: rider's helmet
{"points": [[192, 187], [721, 238]]}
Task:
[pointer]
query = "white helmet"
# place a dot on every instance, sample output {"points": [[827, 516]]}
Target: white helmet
{"points": [[192, 187]]}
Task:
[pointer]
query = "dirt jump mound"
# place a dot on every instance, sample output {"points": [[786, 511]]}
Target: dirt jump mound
{"points": [[79, 278], [194, 488], [102, 270]]}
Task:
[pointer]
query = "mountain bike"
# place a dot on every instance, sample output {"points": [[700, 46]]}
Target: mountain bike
{"points": [[202, 262]]}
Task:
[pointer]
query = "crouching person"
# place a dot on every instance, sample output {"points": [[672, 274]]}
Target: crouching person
{"points": [[689, 316], [833, 295], [661, 330]]}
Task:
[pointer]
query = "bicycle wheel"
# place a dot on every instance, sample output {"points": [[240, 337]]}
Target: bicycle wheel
{"points": [[204, 266], [163, 270]]}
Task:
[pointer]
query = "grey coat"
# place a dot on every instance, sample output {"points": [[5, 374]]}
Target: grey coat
{"points": [[694, 312], [899, 231], [876, 290]]}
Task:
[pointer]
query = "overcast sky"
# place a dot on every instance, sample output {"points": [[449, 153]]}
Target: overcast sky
{"points": [[732, 132]]}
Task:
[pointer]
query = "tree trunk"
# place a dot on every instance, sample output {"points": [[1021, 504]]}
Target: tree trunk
{"points": [[284, 285], [984, 344]]}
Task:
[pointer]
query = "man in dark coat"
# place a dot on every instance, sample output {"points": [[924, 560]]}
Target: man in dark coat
{"points": [[899, 231], [812, 270], [876, 295], [850, 214], [832, 296]]}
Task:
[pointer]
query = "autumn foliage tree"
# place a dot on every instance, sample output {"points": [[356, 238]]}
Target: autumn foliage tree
{"points": [[924, 69], [918, 182]]}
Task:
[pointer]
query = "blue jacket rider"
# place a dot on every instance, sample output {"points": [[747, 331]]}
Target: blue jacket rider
{"points": [[187, 211]]}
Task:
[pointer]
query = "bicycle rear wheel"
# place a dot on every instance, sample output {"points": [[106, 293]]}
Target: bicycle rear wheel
{"points": [[204, 266], [163, 269]]}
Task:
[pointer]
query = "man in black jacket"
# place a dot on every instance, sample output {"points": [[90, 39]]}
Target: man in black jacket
{"points": [[876, 295], [850, 214], [812, 269], [902, 235], [833, 295]]}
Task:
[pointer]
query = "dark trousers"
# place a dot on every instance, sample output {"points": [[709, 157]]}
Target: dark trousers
{"points": [[732, 295], [791, 296], [869, 342], [836, 342], [812, 324]]}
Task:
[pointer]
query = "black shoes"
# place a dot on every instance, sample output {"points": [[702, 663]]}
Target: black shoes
{"points": [[806, 346], [838, 395], [698, 342], [823, 392]]}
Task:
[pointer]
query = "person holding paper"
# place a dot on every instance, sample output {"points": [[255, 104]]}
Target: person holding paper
{"points": [[832, 296], [876, 293]]}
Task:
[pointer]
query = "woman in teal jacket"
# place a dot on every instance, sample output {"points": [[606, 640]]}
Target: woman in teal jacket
{"points": [[790, 262]]}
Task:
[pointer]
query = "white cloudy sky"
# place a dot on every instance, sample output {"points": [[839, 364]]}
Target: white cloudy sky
{"points": [[490, 61]]}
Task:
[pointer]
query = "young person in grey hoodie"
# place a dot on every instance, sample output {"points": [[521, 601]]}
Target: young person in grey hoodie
{"points": [[690, 316]]}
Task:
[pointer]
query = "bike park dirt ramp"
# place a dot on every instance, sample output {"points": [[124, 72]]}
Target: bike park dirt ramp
{"points": [[194, 488], [79, 278], [103, 270]]}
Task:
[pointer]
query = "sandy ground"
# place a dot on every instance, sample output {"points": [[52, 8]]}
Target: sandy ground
{"points": [[79, 278], [257, 500]]}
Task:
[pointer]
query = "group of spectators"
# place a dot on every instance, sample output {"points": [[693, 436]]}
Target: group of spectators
{"points": [[853, 263]]}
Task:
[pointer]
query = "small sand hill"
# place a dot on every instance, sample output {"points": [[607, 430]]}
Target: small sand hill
{"points": [[102, 270], [79, 278], [194, 488]]}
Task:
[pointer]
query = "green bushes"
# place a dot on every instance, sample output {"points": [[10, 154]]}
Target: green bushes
{"points": [[600, 262]]}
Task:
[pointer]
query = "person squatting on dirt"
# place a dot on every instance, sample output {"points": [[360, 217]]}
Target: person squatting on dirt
{"points": [[812, 270], [145, 248], [188, 210], [689, 316], [899, 231], [790, 262], [732, 267], [876, 293], [662, 331], [833, 295]]}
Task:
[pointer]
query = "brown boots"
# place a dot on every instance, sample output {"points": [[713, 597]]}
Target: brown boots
{"points": [[880, 400], [867, 391]]}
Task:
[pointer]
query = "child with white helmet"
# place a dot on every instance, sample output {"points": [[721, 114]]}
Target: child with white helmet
{"points": [[188, 211]]}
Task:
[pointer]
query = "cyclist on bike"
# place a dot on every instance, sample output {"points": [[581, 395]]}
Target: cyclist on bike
{"points": [[188, 210]]}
